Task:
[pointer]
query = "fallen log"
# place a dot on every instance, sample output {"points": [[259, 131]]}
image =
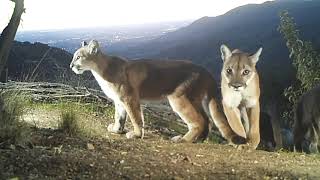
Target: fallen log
{"points": [[54, 92]]}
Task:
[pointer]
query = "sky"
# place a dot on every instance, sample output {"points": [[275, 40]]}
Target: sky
{"points": [[63, 14]]}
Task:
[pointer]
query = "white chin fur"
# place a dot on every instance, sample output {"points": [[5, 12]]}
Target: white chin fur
{"points": [[238, 89], [77, 71]]}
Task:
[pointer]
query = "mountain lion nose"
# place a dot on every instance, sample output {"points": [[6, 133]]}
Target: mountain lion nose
{"points": [[236, 85], [71, 65]]}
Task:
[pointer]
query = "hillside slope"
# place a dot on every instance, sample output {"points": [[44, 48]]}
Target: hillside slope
{"points": [[37, 61], [247, 28]]}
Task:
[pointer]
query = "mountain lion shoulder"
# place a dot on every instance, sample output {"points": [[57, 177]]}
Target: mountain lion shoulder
{"points": [[240, 92], [189, 88]]}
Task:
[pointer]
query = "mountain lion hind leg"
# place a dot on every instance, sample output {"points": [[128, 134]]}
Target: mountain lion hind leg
{"points": [[189, 113]]}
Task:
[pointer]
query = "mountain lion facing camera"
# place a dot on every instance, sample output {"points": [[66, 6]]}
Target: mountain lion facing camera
{"points": [[189, 88], [240, 92]]}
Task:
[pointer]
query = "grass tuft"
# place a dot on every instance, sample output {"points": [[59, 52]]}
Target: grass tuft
{"points": [[12, 129], [77, 119], [69, 123]]}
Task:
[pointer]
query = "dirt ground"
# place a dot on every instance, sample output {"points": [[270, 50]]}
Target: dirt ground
{"points": [[53, 155]]}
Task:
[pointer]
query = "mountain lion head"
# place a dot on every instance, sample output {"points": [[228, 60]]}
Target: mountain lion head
{"points": [[238, 68], [83, 57]]}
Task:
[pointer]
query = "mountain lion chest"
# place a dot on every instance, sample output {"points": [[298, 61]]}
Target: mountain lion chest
{"points": [[109, 89], [236, 98]]}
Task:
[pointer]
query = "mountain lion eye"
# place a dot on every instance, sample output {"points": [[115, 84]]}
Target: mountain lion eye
{"points": [[246, 72], [229, 71], [78, 57]]}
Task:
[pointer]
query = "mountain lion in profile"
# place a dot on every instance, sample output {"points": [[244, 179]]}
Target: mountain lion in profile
{"points": [[240, 92], [189, 88]]}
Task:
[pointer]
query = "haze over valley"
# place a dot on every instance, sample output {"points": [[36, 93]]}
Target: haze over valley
{"points": [[247, 27]]}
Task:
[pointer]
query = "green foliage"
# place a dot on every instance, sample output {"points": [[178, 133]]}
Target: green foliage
{"points": [[12, 129], [304, 57]]}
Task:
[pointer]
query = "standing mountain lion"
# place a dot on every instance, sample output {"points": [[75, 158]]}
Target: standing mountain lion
{"points": [[306, 130], [189, 88], [241, 92]]}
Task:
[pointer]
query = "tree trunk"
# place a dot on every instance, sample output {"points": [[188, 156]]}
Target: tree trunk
{"points": [[8, 35]]}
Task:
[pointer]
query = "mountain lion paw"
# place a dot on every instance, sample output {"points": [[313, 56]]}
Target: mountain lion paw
{"points": [[238, 140], [116, 130], [246, 147], [177, 139], [132, 134]]}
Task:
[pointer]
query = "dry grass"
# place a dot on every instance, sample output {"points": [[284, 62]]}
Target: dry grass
{"points": [[12, 129], [69, 123], [77, 119]]}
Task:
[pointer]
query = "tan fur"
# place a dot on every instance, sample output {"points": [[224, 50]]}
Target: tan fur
{"points": [[241, 92], [185, 85]]}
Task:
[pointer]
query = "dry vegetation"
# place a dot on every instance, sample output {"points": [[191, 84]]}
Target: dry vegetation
{"points": [[12, 129]]}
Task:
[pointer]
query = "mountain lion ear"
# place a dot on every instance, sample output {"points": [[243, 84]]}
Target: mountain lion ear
{"points": [[84, 43], [255, 58], [225, 52], [93, 47]]}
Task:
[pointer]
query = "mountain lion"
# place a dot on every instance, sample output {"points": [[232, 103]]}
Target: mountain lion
{"points": [[240, 92], [306, 130], [189, 88]]}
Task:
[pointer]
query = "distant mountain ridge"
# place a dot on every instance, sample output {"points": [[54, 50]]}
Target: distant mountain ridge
{"points": [[247, 27]]}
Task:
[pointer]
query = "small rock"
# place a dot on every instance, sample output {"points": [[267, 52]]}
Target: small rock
{"points": [[186, 158], [90, 146], [174, 161], [199, 155], [122, 161], [196, 164], [13, 147]]}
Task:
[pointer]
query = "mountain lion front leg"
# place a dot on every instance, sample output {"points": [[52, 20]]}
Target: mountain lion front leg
{"points": [[131, 104], [254, 132], [119, 119], [189, 114], [314, 139], [234, 118], [222, 124]]}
